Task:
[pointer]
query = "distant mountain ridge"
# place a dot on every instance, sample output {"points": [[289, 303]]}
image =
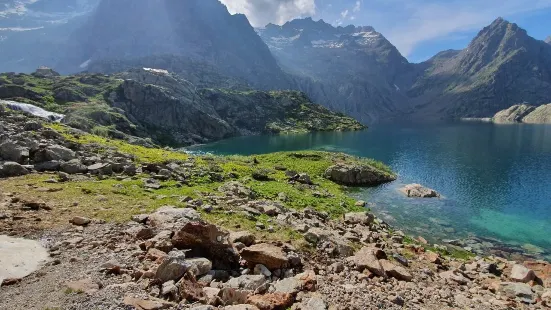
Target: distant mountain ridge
{"points": [[354, 70]]}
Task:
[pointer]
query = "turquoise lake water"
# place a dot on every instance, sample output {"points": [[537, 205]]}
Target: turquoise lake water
{"points": [[495, 179]]}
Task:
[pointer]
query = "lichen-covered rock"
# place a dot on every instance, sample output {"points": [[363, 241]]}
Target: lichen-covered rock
{"points": [[358, 175]]}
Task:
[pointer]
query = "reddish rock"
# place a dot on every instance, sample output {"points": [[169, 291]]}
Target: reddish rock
{"points": [[275, 301], [433, 258], [395, 271], [268, 255], [155, 255], [207, 240], [368, 258], [232, 296], [192, 291]]}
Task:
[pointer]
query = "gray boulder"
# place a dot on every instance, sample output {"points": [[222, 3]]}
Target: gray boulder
{"points": [[73, 166], [12, 169], [419, 191], [173, 267], [13, 152]]}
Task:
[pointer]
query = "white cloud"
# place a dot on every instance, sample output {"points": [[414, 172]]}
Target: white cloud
{"points": [[344, 14], [262, 12], [408, 23], [357, 7]]}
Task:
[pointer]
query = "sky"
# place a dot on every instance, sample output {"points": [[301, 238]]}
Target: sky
{"points": [[418, 28]]}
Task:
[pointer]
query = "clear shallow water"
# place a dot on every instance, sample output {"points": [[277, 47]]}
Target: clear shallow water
{"points": [[495, 179]]}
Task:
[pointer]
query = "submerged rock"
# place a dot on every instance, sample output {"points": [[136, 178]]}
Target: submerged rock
{"points": [[419, 191]]}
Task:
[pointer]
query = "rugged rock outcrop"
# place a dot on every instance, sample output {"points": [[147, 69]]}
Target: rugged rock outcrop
{"points": [[152, 103], [358, 175], [525, 114], [514, 114]]}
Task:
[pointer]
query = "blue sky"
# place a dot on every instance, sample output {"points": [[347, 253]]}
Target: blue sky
{"points": [[419, 28]]}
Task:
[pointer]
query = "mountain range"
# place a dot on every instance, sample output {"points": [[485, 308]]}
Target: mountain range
{"points": [[354, 70]]}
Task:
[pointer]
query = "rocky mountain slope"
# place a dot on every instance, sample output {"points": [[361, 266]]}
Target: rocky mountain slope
{"points": [[502, 66], [355, 70], [524, 113], [151, 103], [128, 227], [202, 30]]}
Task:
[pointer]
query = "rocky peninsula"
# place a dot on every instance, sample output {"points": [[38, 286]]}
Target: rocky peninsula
{"points": [[130, 227], [524, 113]]}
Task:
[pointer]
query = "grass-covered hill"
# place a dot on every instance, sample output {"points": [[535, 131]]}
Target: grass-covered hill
{"points": [[156, 105]]}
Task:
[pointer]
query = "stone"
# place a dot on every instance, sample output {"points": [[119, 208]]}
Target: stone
{"points": [[53, 165], [234, 188], [73, 166], [12, 169], [363, 218], [232, 296], [207, 240], [360, 203], [542, 270], [304, 179], [101, 169], [367, 258], [140, 232], [519, 273], [546, 297], [170, 215], [519, 291], [173, 267], [80, 221], [241, 307], [13, 152], [454, 275], [87, 286], [244, 237], [200, 266], [419, 191], [147, 304], [169, 289], [263, 270], [255, 283], [357, 175], [268, 255], [191, 291], [58, 152], [433, 257], [274, 301], [314, 303], [288, 286], [394, 271]]}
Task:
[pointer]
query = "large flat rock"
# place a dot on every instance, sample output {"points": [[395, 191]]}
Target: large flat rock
{"points": [[20, 257]]}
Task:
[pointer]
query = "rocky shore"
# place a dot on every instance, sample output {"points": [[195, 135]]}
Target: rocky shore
{"points": [[127, 227]]}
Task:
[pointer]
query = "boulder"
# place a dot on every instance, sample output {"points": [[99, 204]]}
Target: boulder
{"points": [[368, 258], [101, 169], [235, 188], [241, 307], [200, 266], [395, 271], [244, 237], [254, 283], [192, 291], [519, 273], [53, 165], [80, 221], [56, 152], [274, 301], [12, 169], [140, 232], [13, 152], [419, 191], [268, 255], [171, 215], [32, 126], [542, 270], [455, 276], [207, 240], [518, 291], [363, 218], [357, 175], [73, 166], [288, 286], [314, 303], [173, 267]]}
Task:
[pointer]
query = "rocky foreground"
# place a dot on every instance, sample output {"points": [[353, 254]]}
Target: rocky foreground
{"points": [[133, 228]]}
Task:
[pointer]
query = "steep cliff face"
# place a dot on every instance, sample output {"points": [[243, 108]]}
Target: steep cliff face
{"points": [[200, 30], [354, 70], [500, 67]]}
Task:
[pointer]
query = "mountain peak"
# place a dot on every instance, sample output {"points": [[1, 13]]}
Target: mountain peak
{"points": [[548, 40]]}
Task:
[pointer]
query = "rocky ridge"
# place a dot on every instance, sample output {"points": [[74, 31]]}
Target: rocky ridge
{"points": [[524, 113], [154, 104], [237, 238]]}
